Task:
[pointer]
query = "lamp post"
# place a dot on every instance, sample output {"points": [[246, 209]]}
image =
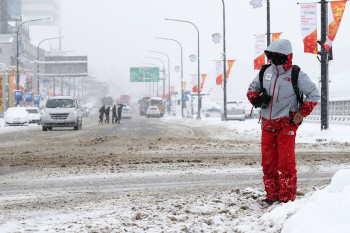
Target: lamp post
{"points": [[216, 39], [38, 58], [199, 79], [182, 74], [17, 56], [163, 73], [169, 107], [153, 82]]}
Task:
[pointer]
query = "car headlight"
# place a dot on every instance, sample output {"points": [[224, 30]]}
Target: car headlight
{"points": [[73, 114]]}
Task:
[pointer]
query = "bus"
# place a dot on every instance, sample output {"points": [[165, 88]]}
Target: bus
{"points": [[157, 101]]}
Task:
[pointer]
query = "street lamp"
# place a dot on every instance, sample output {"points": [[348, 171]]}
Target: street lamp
{"points": [[169, 107], [177, 69], [17, 57], [182, 74], [216, 39], [199, 79], [256, 4], [38, 58], [163, 73]]}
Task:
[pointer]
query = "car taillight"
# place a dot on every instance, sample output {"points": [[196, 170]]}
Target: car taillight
{"points": [[243, 111]]}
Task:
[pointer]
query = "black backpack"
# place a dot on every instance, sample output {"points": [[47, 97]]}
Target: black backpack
{"points": [[295, 76]]}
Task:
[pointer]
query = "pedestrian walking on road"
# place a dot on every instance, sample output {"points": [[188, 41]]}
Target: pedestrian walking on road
{"points": [[107, 114], [114, 114], [278, 90], [102, 112], [120, 109]]}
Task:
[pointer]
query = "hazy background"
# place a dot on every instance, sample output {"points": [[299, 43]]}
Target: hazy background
{"points": [[116, 35]]}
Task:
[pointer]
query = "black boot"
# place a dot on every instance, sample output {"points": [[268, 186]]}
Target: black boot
{"points": [[267, 201]]}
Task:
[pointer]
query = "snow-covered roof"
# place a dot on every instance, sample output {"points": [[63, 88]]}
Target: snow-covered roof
{"points": [[61, 97], [156, 98]]}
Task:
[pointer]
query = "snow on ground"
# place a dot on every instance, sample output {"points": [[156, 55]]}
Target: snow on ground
{"points": [[307, 132], [320, 211]]}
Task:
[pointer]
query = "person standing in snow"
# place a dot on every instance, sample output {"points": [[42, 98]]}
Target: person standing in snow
{"points": [[281, 114], [102, 112], [107, 114], [120, 109], [114, 114]]}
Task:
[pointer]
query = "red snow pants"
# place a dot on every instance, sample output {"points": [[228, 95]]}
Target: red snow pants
{"points": [[278, 163]]}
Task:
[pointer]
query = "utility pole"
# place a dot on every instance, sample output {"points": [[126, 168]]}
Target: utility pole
{"points": [[268, 23], [324, 67]]}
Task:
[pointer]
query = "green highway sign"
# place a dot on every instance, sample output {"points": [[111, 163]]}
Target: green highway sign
{"points": [[144, 74]]}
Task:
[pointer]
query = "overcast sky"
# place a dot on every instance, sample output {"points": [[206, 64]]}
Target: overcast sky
{"points": [[116, 35]]}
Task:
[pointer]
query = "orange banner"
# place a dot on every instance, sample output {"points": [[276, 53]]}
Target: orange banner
{"points": [[12, 88], [203, 80], [259, 55], [194, 83], [335, 15], [185, 85], [50, 91], [276, 36], [308, 25], [2, 93], [219, 78]]}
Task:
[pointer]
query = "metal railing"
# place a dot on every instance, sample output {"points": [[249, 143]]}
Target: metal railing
{"points": [[339, 112]]}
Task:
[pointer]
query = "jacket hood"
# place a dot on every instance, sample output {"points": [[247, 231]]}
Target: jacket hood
{"points": [[285, 47], [280, 46]]}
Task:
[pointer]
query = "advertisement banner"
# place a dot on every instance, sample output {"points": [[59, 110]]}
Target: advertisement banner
{"points": [[218, 69], [22, 81], [50, 91], [335, 15], [12, 88], [276, 36], [259, 55], [203, 80], [185, 85], [219, 77], [308, 25], [194, 78], [2, 93]]}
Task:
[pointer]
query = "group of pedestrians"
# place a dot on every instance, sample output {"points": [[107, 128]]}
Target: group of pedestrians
{"points": [[116, 114]]}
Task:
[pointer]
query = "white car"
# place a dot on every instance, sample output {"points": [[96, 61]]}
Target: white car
{"points": [[235, 111], [16, 116], [126, 112], [211, 112], [33, 114], [153, 111]]}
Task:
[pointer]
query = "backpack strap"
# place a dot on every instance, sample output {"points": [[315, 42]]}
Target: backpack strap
{"points": [[261, 75], [295, 76]]}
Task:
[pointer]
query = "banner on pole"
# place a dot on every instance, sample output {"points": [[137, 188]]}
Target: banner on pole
{"points": [[259, 55], [219, 76], [22, 81], [194, 83], [203, 76], [335, 15], [308, 25], [2, 93], [276, 36], [218, 72], [12, 88], [185, 85]]}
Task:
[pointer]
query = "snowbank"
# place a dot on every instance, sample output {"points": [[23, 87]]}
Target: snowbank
{"points": [[326, 210], [10, 129]]}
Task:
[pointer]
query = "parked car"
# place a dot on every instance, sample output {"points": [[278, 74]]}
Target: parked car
{"points": [[153, 111], [16, 116], [211, 112], [235, 111], [61, 111], [126, 112], [33, 114]]}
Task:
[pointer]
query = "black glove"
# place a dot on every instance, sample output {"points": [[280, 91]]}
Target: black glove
{"points": [[257, 102]]}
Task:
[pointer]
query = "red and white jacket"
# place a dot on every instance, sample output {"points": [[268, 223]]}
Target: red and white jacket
{"points": [[278, 84]]}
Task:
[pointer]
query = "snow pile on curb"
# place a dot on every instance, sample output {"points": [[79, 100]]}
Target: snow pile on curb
{"points": [[326, 210]]}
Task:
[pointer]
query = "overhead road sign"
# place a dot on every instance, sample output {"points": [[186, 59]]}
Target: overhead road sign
{"points": [[144, 74]]}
